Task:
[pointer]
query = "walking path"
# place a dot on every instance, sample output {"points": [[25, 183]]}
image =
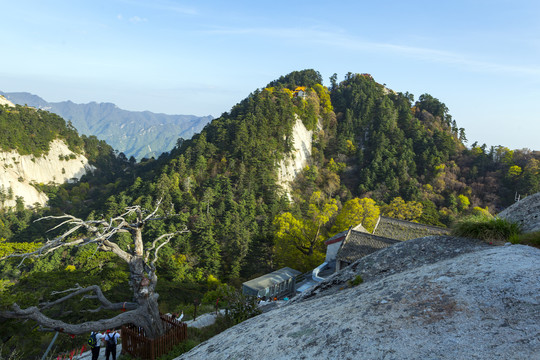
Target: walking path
{"points": [[204, 320], [201, 321]]}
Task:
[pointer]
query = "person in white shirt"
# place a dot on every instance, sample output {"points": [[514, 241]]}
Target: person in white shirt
{"points": [[95, 349], [111, 339]]}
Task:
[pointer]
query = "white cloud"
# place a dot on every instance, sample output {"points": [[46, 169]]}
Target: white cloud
{"points": [[344, 41], [163, 5], [136, 19]]}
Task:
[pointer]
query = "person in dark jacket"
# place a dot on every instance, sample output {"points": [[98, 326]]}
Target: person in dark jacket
{"points": [[111, 339]]}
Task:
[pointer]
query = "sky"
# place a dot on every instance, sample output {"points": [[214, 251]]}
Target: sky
{"points": [[479, 57]]}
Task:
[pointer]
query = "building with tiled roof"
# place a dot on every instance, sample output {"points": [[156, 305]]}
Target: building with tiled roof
{"points": [[300, 91], [405, 230], [348, 246], [359, 244], [334, 243]]}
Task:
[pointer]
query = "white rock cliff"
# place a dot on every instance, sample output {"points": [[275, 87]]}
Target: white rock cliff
{"points": [[291, 166], [4, 101], [19, 172]]}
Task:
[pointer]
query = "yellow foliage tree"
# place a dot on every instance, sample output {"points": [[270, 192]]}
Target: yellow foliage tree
{"points": [[70, 268], [351, 149], [399, 209], [299, 241], [463, 202], [324, 97], [336, 167], [514, 171], [357, 211], [477, 210]]}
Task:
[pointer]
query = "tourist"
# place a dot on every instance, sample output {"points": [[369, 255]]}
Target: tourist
{"points": [[111, 340], [94, 342]]}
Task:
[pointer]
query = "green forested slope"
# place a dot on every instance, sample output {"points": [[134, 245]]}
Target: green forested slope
{"points": [[368, 142], [30, 131]]}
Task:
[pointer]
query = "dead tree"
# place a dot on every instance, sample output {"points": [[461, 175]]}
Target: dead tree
{"points": [[141, 258]]}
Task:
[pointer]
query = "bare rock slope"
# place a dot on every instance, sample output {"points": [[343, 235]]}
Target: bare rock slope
{"points": [[4, 101], [525, 212], [438, 297], [59, 165], [293, 164]]}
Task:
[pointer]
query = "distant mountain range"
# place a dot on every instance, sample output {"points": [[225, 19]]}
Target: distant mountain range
{"points": [[135, 133]]}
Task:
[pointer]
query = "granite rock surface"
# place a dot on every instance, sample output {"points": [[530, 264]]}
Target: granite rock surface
{"points": [[438, 297]]}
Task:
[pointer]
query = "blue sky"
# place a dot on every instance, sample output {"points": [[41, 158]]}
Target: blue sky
{"points": [[481, 58]]}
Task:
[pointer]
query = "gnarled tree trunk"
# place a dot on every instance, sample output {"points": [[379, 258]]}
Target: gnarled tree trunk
{"points": [[143, 310]]}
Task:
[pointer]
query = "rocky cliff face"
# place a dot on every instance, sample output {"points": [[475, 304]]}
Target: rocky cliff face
{"points": [[437, 297], [19, 172], [525, 212], [4, 101], [289, 167]]}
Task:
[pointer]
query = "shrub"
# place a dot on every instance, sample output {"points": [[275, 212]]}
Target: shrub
{"points": [[240, 306], [179, 349], [356, 281], [486, 228], [531, 239]]}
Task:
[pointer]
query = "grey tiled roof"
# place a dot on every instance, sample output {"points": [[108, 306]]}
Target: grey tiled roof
{"points": [[405, 230], [359, 244], [358, 227]]}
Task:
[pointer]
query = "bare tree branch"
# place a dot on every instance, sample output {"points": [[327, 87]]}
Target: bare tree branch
{"points": [[167, 238], [153, 212], [35, 314], [78, 290]]}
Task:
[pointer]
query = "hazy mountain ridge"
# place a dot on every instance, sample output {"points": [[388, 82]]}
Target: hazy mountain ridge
{"points": [[135, 133]]}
